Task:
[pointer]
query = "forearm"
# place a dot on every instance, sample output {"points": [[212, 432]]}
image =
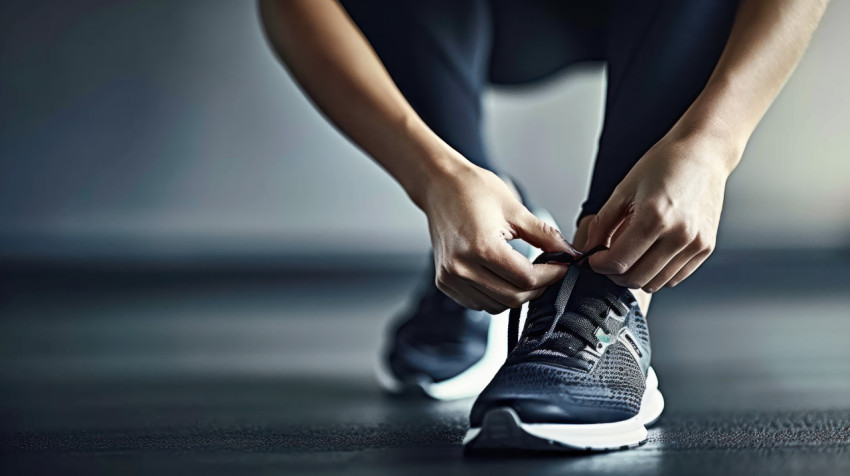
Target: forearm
{"points": [[767, 40], [339, 71]]}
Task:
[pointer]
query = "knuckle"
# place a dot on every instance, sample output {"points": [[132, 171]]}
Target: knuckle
{"points": [[450, 267], [684, 233], [440, 281], [613, 266], [551, 230], [526, 281], [655, 214], [481, 249], [704, 243]]}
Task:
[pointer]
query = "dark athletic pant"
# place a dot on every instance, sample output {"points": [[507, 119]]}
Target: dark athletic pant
{"points": [[442, 54]]}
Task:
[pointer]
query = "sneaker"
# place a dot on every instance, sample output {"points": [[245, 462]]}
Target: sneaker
{"points": [[442, 350], [579, 376]]}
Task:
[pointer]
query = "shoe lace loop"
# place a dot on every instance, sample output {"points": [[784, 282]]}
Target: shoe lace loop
{"points": [[563, 297]]}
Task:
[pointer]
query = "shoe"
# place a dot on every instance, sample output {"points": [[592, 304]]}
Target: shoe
{"points": [[578, 378], [442, 350]]}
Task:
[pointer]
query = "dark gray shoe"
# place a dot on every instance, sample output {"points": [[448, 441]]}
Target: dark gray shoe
{"points": [[579, 376]]}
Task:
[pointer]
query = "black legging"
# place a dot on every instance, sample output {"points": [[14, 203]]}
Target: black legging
{"points": [[443, 53]]}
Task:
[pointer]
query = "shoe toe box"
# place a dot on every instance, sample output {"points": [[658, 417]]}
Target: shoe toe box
{"points": [[541, 393]]}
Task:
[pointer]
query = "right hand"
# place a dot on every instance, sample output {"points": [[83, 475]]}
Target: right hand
{"points": [[471, 216]]}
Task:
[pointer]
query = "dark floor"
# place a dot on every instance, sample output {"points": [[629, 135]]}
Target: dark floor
{"points": [[256, 370]]}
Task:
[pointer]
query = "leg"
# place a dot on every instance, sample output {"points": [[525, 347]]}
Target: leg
{"points": [[534, 39], [660, 55], [436, 51]]}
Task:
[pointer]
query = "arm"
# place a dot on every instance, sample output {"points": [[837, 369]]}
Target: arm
{"points": [[471, 212], [661, 221]]}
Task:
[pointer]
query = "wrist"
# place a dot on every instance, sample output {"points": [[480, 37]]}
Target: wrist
{"points": [[713, 117], [418, 158], [434, 172], [712, 132]]}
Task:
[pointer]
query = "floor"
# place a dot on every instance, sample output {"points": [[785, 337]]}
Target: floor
{"points": [[267, 370]]}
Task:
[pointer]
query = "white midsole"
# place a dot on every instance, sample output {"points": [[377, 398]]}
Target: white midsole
{"points": [[600, 435]]}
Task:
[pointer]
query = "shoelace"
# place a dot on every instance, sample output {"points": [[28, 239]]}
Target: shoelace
{"points": [[563, 297]]}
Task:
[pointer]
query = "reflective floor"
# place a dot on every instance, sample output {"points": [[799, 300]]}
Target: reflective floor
{"points": [[266, 369]]}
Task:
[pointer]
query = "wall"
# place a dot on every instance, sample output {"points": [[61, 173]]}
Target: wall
{"points": [[167, 128]]}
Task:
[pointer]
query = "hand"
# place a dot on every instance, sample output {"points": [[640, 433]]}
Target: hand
{"points": [[661, 221], [471, 216]]}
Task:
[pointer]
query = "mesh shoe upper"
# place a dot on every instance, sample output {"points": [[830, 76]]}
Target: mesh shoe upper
{"points": [[582, 358]]}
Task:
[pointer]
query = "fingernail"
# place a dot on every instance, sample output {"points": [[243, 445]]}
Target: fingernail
{"points": [[573, 250]]}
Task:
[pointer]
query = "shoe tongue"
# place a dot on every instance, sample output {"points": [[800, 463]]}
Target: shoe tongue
{"points": [[588, 294], [596, 294], [592, 295]]}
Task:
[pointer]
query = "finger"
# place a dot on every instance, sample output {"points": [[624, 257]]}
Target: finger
{"points": [[636, 238], [677, 263], [689, 268], [451, 292], [652, 262], [511, 266], [502, 291], [605, 223], [541, 234], [467, 295], [480, 300]]}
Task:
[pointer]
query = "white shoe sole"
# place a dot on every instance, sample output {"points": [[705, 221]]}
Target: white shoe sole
{"points": [[502, 429]]}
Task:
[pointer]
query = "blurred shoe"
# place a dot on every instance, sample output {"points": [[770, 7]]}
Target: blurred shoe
{"points": [[442, 350], [579, 376]]}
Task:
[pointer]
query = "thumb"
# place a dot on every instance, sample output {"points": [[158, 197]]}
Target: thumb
{"points": [[537, 232]]}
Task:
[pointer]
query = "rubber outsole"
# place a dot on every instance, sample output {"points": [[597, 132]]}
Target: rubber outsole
{"points": [[502, 429]]}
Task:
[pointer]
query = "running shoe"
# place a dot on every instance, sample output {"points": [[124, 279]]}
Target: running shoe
{"points": [[578, 377], [440, 349]]}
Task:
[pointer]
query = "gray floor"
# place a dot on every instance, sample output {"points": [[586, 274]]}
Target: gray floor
{"points": [[257, 369]]}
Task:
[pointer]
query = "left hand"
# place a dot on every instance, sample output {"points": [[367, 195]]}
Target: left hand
{"points": [[661, 221]]}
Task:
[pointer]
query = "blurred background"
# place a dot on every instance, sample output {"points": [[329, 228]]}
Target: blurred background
{"points": [[193, 262], [152, 128]]}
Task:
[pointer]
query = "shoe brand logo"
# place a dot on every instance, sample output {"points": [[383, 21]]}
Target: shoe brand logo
{"points": [[631, 341], [641, 356]]}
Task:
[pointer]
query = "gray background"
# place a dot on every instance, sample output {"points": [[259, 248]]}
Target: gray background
{"points": [[158, 150], [168, 129]]}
